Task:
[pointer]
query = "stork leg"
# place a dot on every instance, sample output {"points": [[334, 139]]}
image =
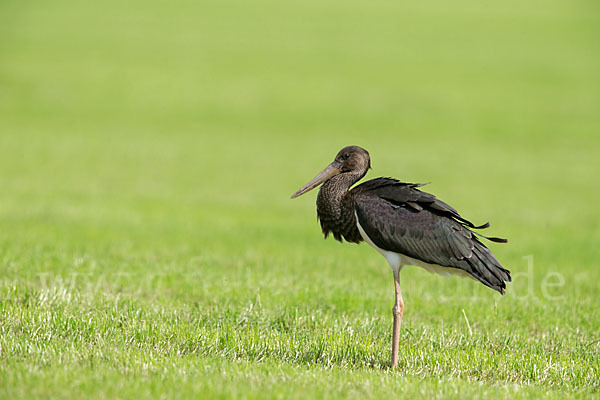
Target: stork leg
{"points": [[397, 311]]}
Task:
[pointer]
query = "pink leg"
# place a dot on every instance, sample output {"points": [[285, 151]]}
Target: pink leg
{"points": [[397, 311]]}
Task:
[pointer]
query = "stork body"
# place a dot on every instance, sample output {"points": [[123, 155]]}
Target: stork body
{"points": [[406, 225]]}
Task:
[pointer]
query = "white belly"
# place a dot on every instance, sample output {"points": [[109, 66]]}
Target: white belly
{"points": [[397, 261]]}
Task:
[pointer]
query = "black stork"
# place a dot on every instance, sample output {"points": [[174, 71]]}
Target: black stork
{"points": [[406, 225]]}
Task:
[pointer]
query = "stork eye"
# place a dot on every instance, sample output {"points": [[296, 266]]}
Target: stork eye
{"points": [[346, 156]]}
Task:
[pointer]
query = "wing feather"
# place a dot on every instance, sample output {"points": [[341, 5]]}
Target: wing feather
{"points": [[399, 217]]}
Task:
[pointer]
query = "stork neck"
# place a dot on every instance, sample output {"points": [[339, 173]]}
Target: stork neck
{"points": [[332, 192], [336, 209]]}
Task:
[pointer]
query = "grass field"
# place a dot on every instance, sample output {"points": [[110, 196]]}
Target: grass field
{"points": [[148, 246]]}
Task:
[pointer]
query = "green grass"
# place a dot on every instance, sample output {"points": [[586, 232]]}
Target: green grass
{"points": [[148, 246]]}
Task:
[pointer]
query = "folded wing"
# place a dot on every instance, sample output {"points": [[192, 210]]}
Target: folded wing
{"points": [[401, 218]]}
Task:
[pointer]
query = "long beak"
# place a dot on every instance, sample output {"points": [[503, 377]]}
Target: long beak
{"points": [[329, 172]]}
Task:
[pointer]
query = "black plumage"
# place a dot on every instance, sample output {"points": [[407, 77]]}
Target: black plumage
{"points": [[399, 217]]}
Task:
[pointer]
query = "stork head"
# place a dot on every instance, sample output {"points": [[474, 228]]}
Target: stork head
{"points": [[349, 160]]}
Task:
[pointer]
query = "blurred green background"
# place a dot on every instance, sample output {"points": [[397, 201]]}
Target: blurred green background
{"points": [[163, 139]]}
